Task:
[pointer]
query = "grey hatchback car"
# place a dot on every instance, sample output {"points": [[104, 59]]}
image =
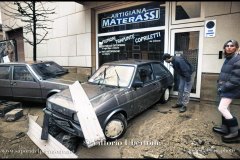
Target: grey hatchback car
{"points": [[31, 81], [118, 91]]}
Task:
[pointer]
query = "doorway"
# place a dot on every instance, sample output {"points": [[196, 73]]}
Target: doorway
{"points": [[17, 34], [188, 43]]}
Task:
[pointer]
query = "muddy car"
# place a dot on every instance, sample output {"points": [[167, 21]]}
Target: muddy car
{"points": [[118, 91], [31, 81]]}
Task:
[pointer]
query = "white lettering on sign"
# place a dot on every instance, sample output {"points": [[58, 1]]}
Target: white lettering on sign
{"points": [[109, 39], [124, 39], [133, 16], [151, 36], [115, 44], [148, 37], [128, 13]]}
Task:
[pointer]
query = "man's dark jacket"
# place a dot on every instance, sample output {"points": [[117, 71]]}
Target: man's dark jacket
{"points": [[182, 67]]}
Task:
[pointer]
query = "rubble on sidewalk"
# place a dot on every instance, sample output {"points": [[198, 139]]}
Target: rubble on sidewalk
{"points": [[13, 115], [6, 106]]}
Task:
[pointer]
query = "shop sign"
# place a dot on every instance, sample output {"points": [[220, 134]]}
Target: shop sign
{"points": [[131, 16]]}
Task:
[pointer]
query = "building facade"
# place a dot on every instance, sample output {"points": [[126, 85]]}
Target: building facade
{"points": [[87, 34]]}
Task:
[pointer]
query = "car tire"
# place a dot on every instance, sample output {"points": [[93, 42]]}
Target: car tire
{"points": [[165, 96], [115, 127]]}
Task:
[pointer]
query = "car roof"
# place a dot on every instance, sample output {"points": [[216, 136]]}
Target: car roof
{"points": [[26, 62], [131, 62]]}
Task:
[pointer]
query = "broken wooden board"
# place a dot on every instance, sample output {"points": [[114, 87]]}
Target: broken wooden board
{"points": [[51, 148], [33, 117], [87, 117]]}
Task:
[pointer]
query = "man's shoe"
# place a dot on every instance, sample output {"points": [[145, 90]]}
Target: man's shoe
{"points": [[182, 109], [177, 106]]}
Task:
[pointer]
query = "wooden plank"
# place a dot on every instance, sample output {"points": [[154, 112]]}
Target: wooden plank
{"points": [[51, 148], [34, 118], [44, 135], [87, 117]]}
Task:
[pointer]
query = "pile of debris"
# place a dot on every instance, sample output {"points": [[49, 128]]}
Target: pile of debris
{"points": [[10, 111]]}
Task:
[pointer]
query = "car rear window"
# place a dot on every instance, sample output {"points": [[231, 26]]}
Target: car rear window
{"points": [[49, 69]]}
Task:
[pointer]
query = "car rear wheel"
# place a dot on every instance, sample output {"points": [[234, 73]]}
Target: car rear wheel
{"points": [[165, 97], [115, 127]]}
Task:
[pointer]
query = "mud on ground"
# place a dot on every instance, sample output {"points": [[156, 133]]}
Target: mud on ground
{"points": [[159, 132]]}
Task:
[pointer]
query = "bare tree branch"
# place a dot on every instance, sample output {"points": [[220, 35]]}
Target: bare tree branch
{"points": [[34, 15]]}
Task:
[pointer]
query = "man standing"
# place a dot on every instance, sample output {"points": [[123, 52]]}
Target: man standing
{"points": [[185, 71]]}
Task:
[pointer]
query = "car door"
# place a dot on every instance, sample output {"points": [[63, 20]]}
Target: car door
{"points": [[24, 84], [145, 96], [5, 84], [162, 75]]}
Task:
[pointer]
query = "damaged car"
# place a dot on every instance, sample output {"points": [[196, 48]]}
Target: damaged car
{"points": [[32, 81], [118, 91]]}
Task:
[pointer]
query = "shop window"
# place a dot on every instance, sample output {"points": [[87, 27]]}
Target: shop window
{"points": [[141, 45]]}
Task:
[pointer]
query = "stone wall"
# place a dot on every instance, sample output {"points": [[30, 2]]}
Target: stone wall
{"points": [[209, 88], [81, 73]]}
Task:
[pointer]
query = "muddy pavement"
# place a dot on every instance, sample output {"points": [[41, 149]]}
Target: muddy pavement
{"points": [[180, 135], [163, 132], [159, 132], [14, 142]]}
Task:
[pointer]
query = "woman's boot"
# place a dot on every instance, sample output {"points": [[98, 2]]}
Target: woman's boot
{"points": [[234, 135], [223, 129]]}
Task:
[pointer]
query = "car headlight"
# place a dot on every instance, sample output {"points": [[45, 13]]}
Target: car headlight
{"points": [[75, 117], [49, 105]]}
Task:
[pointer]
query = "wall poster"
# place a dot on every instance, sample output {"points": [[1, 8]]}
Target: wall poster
{"points": [[8, 51]]}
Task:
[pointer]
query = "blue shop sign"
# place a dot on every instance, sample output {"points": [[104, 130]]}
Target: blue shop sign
{"points": [[141, 16]]}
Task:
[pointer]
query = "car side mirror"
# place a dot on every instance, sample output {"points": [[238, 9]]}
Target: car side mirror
{"points": [[137, 84]]}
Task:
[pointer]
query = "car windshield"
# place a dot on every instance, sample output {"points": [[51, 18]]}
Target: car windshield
{"points": [[49, 69], [113, 75]]}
